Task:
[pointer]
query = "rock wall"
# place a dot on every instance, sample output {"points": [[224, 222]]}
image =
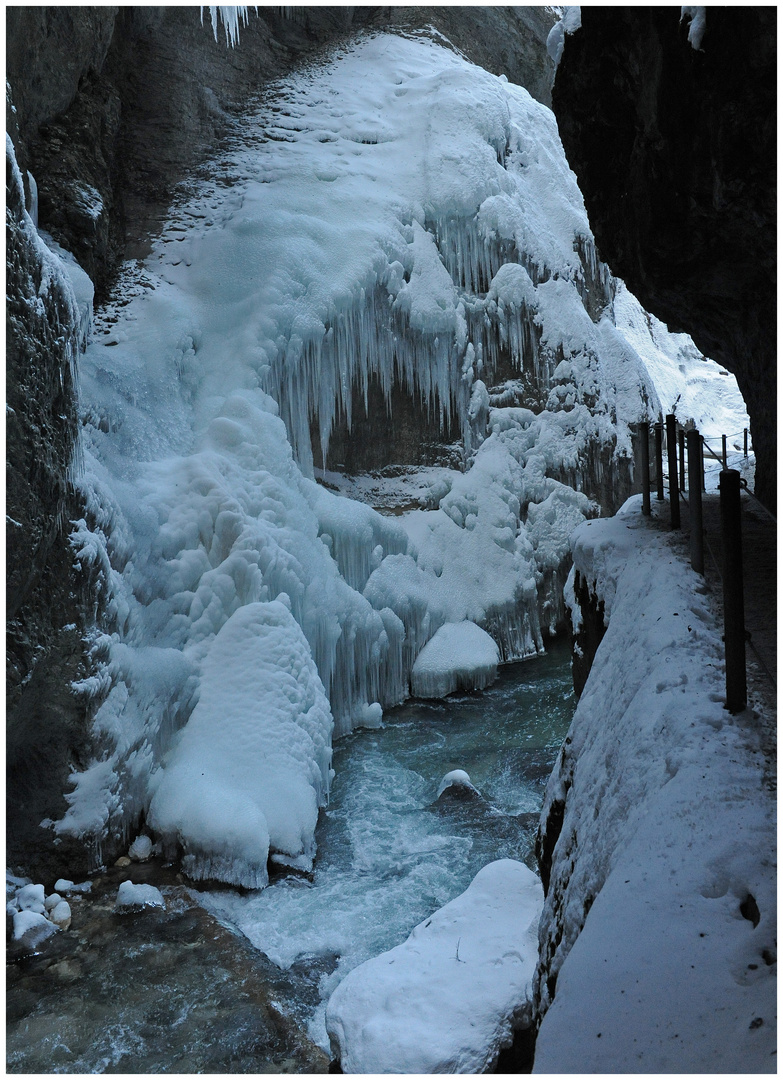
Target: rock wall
{"points": [[45, 724], [675, 153]]}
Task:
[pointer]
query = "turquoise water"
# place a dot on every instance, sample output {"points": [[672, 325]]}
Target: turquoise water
{"points": [[389, 854]]}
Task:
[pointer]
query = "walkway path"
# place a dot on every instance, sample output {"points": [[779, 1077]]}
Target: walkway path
{"points": [[759, 555]]}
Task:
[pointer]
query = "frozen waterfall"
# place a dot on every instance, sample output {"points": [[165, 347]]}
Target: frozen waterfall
{"points": [[394, 213]]}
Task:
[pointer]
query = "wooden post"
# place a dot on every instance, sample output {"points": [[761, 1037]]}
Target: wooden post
{"points": [[644, 435], [694, 501], [701, 462], [725, 459], [733, 591], [659, 460], [674, 491], [745, 442], [681, 444]]}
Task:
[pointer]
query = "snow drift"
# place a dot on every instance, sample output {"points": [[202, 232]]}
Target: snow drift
{"points": [[446, 1000]]}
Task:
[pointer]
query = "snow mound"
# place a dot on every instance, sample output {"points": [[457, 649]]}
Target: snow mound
{"points": [[447, 999], [252, 766], [31, 929], [461, 656], [132, 898]]}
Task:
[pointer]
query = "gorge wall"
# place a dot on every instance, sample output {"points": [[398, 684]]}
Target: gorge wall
{"points": [[108, 109], [674, 149]]}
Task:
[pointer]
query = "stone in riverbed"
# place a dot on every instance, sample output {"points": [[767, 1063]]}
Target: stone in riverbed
{"points": [[134, 898]]}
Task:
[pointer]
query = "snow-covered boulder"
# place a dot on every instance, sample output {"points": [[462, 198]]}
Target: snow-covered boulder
{"points": [[31, 929], [460, 656], [60, 915], [448, 998], [132, 898], [66, 887], [141, 849], [31, 898], [252, 766], [457, 781]]}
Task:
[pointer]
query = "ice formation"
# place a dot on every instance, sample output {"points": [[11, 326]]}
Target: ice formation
{"points": [[394, 213], [459, 656], [230, 17], [697, 18], [446, 1000]]}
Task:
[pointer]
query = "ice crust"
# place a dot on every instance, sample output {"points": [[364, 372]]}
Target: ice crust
{"points": [[394, 212], [460, 656], [445, 1001]]}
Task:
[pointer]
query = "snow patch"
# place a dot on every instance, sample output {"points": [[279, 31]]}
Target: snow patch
{"points": [[460, 656], [448, 998]]}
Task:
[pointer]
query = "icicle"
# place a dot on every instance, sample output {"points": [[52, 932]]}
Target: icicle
{"points": [[230, 17]]}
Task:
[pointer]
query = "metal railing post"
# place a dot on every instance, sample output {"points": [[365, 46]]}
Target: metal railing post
{"points": [[674, 492], [681, 444], [725, 458], [644, 434], [694, 501], [659, 460], [733, 591], [745, 442]]}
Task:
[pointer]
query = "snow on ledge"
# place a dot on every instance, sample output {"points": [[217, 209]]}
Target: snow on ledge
{"points": [[460, 656], [661, 962], [448, 998]]}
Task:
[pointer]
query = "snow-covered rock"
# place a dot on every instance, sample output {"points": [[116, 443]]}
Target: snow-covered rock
{"points": [[60, 915], [31, 928], [63, 885], [253, 765], [31, 898], [447, 999], [460, 656], [141, 849], [52, 901], [457, 778], [132, 898]]}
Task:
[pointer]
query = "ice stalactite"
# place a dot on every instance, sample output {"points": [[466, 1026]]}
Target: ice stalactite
{"points": [[230, 17]]}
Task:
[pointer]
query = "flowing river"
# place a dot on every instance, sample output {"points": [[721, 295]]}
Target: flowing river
{"points": [[165, 992], [389, 851]]}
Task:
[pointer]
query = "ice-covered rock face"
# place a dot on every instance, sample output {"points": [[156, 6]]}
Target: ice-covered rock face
{"points": [[399, 214]]}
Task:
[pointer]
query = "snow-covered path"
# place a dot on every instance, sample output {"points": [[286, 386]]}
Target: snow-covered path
{"points": [[658, 934]]}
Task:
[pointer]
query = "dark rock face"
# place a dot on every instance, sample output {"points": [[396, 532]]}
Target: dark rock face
{"points": [[590, 634], [674, 150], [45, 723]]}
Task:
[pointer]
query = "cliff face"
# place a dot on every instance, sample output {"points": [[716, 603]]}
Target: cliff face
{"points": [[674, 150]]}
